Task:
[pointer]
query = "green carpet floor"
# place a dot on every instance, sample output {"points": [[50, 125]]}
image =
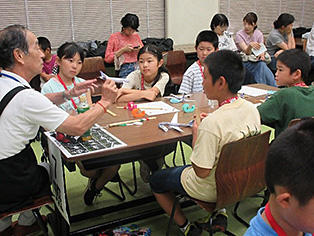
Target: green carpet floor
{"points": [[76, 184]]}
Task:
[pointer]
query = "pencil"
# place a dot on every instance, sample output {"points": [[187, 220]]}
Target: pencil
{"points": [[111, 113], [151, 108], [130, 121]]}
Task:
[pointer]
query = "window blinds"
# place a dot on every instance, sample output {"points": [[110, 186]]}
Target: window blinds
{"points": [[267, 12], [82, 20]]}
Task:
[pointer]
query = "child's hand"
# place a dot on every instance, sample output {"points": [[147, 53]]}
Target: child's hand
{"points": [[194, 129], [203, 115]]}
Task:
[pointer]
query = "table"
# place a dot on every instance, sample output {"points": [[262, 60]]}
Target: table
{"points": [[136, 138]]}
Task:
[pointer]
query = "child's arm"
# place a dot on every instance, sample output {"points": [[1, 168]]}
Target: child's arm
{"points": [[128, 95], [45, 76], [201, 172]]}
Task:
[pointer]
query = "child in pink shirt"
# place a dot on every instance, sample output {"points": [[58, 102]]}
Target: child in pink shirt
{"points": [[123, 46], [49, 66]]}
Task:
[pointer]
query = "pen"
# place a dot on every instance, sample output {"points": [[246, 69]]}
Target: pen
{"points": [[130, 121]]}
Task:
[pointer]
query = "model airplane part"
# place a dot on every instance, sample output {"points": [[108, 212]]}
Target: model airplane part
{"points": [[103, 76], [173, 124], [177, 99]]}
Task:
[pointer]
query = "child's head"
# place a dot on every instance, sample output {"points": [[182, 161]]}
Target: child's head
{"points": [[44, 45], [206, 43], [70, 59], [223, 64], [293, 66], [130, 23], [290, 173], [151, 63], [284, 22], [219, 24], [250, 22]]}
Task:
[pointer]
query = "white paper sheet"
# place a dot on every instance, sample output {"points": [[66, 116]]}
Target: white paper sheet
{"points": [[160, 108], [254, 92]]}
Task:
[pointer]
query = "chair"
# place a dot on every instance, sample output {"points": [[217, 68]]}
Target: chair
{"points": [[91, 67], [239, 174], [34, 207], [176, 63]]}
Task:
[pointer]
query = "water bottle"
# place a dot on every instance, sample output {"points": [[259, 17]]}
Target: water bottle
{"points": [[81, 108]]}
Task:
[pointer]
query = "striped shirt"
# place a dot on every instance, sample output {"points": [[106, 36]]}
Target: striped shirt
{"points": [[192, 80]]}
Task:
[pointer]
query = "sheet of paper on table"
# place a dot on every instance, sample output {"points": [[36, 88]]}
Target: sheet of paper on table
{"points": [[101, 140], [254, 92], [156, 108]]}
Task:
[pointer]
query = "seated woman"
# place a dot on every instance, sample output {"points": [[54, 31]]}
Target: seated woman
{"points": [[70, 59], [251, 38], [280, 38], [122, 47], [149, 82]]}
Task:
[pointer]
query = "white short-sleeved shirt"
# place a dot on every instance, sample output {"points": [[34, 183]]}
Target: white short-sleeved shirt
{"points": [[310, 42], [22, 117], [54, 86], [135, 78], [192, 81], [227, 124]]}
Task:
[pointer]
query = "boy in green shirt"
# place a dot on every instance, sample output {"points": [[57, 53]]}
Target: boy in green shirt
{"points": [[295, 101]]}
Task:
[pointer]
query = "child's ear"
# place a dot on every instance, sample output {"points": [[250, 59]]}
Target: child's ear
{"points": [[58, 61], [221, 83], [160, 63], [283, 197], [297, 76]]}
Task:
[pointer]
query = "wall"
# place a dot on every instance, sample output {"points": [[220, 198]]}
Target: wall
{"points": [[184, 19]]}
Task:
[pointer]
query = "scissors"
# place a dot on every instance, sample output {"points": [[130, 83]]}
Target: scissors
{"points": [[173, 124]]}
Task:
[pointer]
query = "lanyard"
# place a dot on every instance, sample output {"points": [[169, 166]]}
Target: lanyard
{"points": [[66, 88], [229, 100], [200, 66], [273, 222], [301, 84], [142, 82], [9, 76]]}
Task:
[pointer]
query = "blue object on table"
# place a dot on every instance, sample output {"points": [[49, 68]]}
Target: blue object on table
{"points": [[175, 100], [186, 108]]}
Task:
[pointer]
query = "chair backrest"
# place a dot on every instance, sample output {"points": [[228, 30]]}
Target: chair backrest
{"points": [[176, 64], [240, 169], [91, 67]]}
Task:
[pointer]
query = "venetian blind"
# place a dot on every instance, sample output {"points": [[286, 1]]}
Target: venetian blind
{"points": [[267, 12], [82, 20]]}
